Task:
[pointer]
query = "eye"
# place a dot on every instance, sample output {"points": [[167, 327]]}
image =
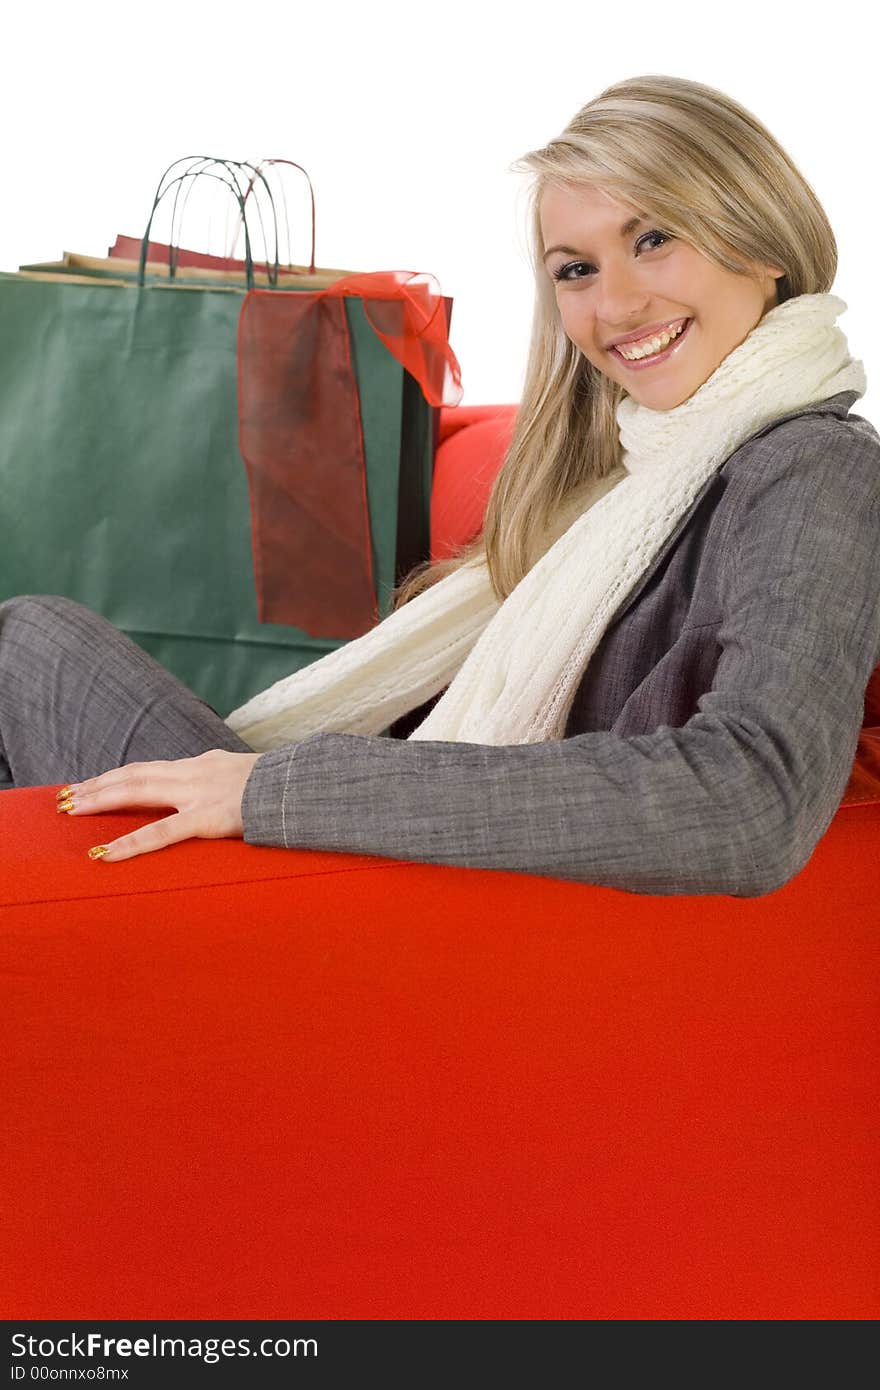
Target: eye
{"points": [[562, 272]]}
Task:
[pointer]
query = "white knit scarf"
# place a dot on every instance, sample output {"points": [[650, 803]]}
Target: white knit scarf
{"points": [[512, 668]]}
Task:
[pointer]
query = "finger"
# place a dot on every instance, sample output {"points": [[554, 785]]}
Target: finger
{"points": [[136, 784], [168, 831], [114, 775]]}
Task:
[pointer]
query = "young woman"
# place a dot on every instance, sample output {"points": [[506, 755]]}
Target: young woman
{"points": [[648, 670]]}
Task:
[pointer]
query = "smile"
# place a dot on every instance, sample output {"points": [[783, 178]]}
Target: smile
{"points": [[650, 359]]}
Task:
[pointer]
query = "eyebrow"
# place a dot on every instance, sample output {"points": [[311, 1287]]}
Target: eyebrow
{"points": [[625, 230]]}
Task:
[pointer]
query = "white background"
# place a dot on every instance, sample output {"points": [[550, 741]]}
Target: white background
{"points": [[407, 118]]}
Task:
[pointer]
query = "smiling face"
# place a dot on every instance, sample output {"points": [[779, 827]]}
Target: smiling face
{"points": [[615, 284]]}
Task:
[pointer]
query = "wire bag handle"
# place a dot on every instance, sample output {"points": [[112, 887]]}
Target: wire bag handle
{"points": [[241, 164], [231, 183], [173, 248], [194, 173], [271, 268], [258, 172], [229, 165]]}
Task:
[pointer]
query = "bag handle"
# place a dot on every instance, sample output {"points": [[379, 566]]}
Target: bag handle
{"points": [[258, 172], [202, 166]]}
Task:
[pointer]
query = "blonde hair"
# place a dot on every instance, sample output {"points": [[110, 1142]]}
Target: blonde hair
{"points": [[713, 176]]}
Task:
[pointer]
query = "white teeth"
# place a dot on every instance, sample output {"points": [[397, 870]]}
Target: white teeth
{"points": [[651, 345]]}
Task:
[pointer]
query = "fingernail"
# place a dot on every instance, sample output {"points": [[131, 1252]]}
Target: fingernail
{"points": [[64, 792], [66, 805], [98, 851]]}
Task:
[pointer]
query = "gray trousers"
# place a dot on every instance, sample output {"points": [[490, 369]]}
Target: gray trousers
{"points": [[78, 697]]}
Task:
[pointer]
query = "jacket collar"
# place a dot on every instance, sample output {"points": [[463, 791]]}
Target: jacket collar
{"points": [[839, 405]]}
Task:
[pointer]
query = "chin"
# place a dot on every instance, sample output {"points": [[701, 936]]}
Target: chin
{"points": [[663, 400]]}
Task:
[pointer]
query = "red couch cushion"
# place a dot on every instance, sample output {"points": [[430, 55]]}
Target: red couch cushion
{"points": [[471, 451], [264, 1083]]}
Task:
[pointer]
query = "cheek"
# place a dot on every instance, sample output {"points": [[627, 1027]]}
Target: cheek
{"points": [[579, 325]]}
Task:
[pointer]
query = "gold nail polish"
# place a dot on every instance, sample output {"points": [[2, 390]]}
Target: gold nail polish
{"points": [[64, 792], [97, 851], [65, 805]]}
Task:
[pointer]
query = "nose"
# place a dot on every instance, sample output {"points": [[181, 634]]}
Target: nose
{"points": [[621, 301]]}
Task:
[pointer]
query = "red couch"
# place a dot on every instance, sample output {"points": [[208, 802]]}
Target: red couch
{"points": [[264, 1083]]}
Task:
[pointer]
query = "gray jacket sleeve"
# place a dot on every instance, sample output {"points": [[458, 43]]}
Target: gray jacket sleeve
{"points": [[733, 802]]}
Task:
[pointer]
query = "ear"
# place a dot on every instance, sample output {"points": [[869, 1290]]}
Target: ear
{"points": [[761, 270], [768, 276]]}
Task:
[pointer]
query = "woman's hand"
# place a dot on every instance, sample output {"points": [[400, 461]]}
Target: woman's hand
{"points": [[206, 790]]}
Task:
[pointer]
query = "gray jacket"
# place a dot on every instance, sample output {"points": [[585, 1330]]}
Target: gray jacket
{"points": [[713, 733]]}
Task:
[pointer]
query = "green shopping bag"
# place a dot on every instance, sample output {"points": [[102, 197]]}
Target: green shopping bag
{"points": [[124, 486]]}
